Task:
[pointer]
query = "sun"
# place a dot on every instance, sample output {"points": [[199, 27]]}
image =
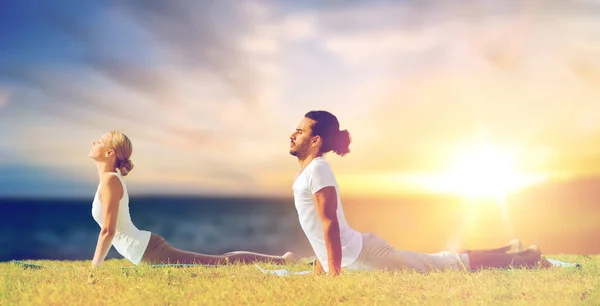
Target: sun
{"points": [[482, 172]]}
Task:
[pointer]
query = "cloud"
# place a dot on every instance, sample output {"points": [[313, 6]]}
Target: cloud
{"points": [[502, 34], [420, 120], [159, 46], [457, 72], [188, 35], [196, 78], [372, 47], [208, 88]]}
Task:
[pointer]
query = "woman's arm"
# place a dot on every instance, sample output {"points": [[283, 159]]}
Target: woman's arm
{"points": [[111, 192]]}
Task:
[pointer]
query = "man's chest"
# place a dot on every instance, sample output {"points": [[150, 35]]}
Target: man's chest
{"points": [[303, 198]]}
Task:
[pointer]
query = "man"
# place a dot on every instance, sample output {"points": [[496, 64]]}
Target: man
{"points": [[336, 244]]}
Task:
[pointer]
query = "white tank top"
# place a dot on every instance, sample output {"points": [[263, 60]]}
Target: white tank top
{"points": [[129, 241]]}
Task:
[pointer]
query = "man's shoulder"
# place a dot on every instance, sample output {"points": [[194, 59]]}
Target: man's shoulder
{"points": [[320, 164], [320, 167]]}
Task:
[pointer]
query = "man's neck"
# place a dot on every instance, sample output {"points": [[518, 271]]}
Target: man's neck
{"points": [[306, 161]]}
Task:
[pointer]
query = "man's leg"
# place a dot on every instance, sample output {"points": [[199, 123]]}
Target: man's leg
{"points": [[377, 254], [530, 258], [514, 246]]}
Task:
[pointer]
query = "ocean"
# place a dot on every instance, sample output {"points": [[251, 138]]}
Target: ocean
{"points": [[64, 229]]}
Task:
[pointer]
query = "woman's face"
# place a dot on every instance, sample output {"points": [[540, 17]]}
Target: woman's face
{"points": [[101, 149]]}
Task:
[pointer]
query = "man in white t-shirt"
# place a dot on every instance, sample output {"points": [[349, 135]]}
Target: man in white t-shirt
{"points": [[336, 244]]}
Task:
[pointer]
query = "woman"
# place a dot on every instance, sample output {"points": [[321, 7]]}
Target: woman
{"points": [[110, 209]]}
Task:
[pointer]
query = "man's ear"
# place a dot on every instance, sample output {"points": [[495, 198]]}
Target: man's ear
{"points": [[316, 140]]}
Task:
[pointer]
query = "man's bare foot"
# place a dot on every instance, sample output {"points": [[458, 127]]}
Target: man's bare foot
{"points": [[290, 257], [515, 246], [543, 263], [534, 248]]}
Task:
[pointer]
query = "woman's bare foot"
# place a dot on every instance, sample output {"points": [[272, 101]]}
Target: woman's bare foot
{"points": [[290, 257]]}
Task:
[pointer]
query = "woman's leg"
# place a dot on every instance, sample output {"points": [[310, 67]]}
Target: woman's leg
{"points": [[159, 252], [244, 256], [174, 255]]}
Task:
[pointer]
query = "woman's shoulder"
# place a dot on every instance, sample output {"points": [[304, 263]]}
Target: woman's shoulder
{"points": [[111, 180]]}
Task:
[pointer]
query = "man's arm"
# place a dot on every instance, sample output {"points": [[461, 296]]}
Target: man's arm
{"points": [[326, 200], [319, 267]]}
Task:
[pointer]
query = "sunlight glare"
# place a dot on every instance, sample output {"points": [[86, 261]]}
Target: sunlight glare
{"points": [[483, 172]]}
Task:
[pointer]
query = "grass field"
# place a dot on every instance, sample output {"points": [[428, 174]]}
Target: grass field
{"points": [[75, 283]]}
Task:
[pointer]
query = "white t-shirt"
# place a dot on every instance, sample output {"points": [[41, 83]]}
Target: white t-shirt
{"points": [[129, 241], [316, 176]]}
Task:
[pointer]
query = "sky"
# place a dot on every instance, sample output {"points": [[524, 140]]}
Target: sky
{"points": [[209, 92]]}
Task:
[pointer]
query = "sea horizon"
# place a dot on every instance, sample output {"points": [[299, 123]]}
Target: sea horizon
{"points": [[63, 228]]}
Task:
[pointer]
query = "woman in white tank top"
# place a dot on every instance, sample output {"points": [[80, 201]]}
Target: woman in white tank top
{"points": [[110, 209]]}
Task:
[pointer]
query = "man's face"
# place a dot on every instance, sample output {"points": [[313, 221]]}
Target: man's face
{"points": [[301, 139]]}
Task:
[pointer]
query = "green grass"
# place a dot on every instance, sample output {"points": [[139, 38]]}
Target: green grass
{"points": [[75, 283]]}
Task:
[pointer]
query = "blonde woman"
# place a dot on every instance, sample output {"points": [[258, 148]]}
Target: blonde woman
{"points": [[110, 209]]}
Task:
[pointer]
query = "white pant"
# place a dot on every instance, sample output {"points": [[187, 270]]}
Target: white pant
{"points": [[377, 254]]}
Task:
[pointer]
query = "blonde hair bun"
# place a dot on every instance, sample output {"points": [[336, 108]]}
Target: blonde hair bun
{"points": [[123, 149], [125, 166]]}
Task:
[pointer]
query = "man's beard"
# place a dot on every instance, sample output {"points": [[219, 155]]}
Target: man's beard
{"points": [[300, 151]]}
